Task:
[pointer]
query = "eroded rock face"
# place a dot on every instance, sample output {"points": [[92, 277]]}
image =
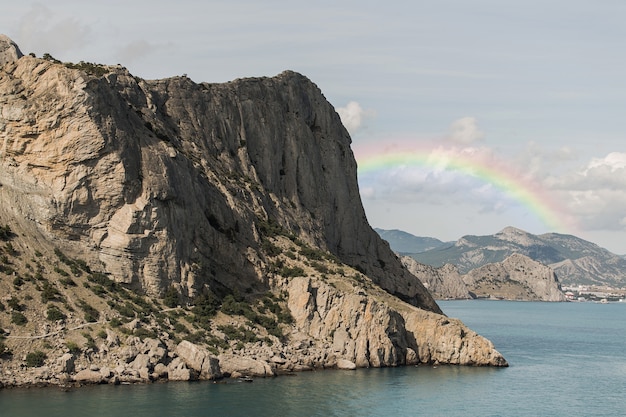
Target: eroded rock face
{"points": [[165, 180], [369, 333], [172, 183], [516, 278], [442, 283], [9, 51]]}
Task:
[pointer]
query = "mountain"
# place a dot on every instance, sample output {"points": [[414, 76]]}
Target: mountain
{"points": [[444, 283], [403, 242], [516, 278], [574, 260], [167, 229]]}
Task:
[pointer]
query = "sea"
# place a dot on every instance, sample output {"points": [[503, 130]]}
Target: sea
{"points": [[566, 359]]}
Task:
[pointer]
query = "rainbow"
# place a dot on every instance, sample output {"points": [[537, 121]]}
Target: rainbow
{"points": [[471, 162]]}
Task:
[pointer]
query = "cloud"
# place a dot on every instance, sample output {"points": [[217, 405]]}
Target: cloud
{"points": [[353, 116], [41, 29], [595, 192], [465, 131], [135, 50]]}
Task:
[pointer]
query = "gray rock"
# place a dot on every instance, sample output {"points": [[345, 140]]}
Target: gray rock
{"points": [[9, 51], [237, 366], [66, 363], [88, 376], [199, 359], [346, 364]]}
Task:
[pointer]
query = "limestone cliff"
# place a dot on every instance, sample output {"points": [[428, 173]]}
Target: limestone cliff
{"points": [[516, 278], [170, 187], [443, 283]]}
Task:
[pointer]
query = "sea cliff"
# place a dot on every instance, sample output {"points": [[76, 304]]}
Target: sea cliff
{"points": [[169, 229]]}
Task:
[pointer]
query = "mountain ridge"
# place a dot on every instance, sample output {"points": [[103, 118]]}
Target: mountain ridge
{"points": [[575, 260]]}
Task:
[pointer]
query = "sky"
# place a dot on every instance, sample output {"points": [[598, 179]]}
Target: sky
{"points": [[466, 116]]}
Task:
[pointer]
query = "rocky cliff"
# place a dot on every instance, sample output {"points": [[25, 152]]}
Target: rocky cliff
{"points": [[209, 196], [443, 283], [516, 278]]}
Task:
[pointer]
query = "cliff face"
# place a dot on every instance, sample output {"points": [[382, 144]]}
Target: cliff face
{"points": [[443, 283], [170, 184], [167, 180], [516, 278]]}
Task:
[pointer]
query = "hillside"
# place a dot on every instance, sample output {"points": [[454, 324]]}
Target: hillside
{"points": [[167, 229], [403, 242], [574, 260]]}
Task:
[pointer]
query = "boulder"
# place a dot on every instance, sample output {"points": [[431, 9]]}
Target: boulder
{"points": [[87, 376], [66, 363], [9, 51], [177, 371], [346, 364], [199, 359], [237, 366]]}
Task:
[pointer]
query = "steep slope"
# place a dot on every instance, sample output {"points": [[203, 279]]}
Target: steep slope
{"points": [[443, 283], [516, 278], [574, 260], [218, 198]]}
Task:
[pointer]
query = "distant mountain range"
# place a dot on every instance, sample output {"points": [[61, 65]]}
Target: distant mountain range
{"points": [[406, 243], [575, 261]]}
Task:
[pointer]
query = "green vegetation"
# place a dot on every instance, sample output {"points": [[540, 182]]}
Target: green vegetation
{"points": [[14, 303], [53, 313], [97, 70], [90, 343], [238, 333], [35, 359], [291, 272], [50, 293], [18, 318], [91, 314], [6, 233], [170, 299], [73, 347]]}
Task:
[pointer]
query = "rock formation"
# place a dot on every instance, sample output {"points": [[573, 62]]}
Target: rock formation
{"points": [[443, 283], [212, 195], [9, 51], [516, 278]]}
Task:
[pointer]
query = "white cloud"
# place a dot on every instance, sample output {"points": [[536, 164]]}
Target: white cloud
{"points": [[596, 192], [353, 116], [613, 161], [465, 131]]}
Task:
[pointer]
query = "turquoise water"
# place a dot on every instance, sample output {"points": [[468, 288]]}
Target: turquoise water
{"points": [[566, 359]]}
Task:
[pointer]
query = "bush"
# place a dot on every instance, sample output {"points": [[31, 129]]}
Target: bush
{"points": [[54, 313], [5, 232], [18, 318], [73, 347], [206, 305], [49, 292], [288, 272], [35, 359], [14, 303], [91, 314], [170, 299], [67, 282]]}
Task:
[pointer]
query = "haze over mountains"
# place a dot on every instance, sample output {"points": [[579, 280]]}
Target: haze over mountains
{"points": [[575, 261]]}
